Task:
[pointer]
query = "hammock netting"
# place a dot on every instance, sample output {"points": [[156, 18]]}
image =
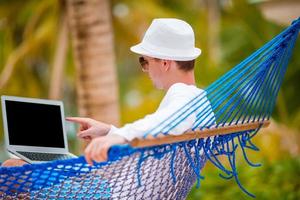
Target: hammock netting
{"points": [[245, 95]]}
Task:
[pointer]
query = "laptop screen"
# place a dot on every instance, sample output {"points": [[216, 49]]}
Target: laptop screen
{"points": [[34, 124]]}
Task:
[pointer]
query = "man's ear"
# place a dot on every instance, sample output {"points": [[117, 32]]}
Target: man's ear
{"points": [[166, 64]]}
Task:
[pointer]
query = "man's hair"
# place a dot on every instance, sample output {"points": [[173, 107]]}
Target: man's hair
{"points": [[183, 65], [186, 65]]}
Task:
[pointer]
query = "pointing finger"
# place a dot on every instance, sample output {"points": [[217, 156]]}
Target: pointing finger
{"points": [[79, 120]]}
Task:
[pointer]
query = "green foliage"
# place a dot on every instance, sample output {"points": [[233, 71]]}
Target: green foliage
{"points": [[28, 33], [273, 180], [243, 31]]}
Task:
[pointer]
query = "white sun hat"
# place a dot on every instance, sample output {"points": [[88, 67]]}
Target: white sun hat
{"points": [[170, 39]]}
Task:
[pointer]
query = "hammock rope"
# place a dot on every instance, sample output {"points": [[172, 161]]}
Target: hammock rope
{"points": [[163, 166], [245, 94]]}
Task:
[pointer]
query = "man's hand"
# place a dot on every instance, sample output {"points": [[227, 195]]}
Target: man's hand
{"points": [[98, 148], [89, 128], [13, 162]]}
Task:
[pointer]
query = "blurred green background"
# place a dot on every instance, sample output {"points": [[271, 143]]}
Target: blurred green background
{"points": [[227, 31]]}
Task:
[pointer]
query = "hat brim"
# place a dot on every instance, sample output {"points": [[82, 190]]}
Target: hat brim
{"points": [[140, 49]]}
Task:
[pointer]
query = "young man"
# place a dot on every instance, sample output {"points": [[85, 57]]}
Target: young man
{"points": [[167, 55]]}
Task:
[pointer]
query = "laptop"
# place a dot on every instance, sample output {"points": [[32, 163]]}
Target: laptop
{"points": [[34, 129]]}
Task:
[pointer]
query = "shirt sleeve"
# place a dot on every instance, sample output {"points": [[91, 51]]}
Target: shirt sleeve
{"points": [[138, 128]]}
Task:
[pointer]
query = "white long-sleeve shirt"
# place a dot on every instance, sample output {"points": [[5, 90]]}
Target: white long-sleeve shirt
{"points": [[178, 95]]}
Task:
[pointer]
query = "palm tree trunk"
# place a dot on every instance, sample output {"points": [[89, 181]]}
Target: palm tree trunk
{"points": [[56, 81], [213, 9], [92, 38]]}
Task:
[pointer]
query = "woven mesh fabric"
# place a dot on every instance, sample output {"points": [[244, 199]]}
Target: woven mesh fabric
{"points": [[74, 179]]}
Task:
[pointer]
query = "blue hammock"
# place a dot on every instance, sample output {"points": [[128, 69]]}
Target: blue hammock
{"points": [[162, 166]]}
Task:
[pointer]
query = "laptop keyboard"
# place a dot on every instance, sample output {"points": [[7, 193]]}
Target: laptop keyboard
{"points": [[35, 156]]}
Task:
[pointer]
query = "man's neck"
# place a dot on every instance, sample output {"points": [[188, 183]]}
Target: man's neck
{"points": [[186, 78]]}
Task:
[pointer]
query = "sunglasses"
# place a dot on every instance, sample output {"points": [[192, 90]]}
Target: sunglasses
{"points": [[143, 63]]}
